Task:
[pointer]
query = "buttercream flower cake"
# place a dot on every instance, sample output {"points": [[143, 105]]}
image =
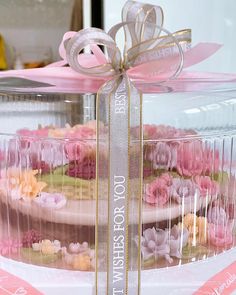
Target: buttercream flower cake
{"points": [[47, 188]]}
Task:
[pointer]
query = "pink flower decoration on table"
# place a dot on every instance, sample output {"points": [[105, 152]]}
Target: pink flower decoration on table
{"points": [[220, 235], [9, 246], [190, 158], [217, 215], [183, 190], [51, 200], [30, 237], [207, 186], [158, 191]]}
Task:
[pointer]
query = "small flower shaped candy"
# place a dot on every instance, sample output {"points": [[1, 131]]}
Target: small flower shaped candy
{"points": [[47, 247], [76, 248], [51, 200]]}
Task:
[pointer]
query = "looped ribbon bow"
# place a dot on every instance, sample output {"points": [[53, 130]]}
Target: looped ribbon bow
{"points": [[151, 54], [145, 43]]}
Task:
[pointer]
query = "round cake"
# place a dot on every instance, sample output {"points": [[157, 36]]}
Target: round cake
{"points": [[48, 197]]}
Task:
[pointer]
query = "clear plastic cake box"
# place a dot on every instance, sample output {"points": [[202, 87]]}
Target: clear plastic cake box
{"points": [[47, 190]]}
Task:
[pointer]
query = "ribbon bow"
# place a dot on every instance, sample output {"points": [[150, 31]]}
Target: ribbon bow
{"points": [[146, 41]]}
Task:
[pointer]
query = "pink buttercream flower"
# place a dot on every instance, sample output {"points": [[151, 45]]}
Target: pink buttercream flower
{"points": [[211, 161], [149, 131], [79, 150], [51, 200], [183, 190], [154, 132], [160, 155], [167, 178], [190, 158], [9, 246], [220, 235], [207, 186], [30, 237], [85, 169], [217, 215], [158, 191]]}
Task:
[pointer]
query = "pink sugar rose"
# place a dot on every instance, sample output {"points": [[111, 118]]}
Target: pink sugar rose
{"points": [[85, 169], [167, 178], [207, 186], [80, 150], [149, 131], [183, 190], [160, 155], [220, 235], [30, 237], [217, 215], [158, 192], [190, 158]]}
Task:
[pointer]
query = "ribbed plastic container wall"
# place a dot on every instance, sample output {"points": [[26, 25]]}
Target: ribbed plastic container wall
{"points": [[48, 178]]}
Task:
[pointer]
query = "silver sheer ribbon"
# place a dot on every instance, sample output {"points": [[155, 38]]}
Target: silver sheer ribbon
{"points": [[119, 146]]}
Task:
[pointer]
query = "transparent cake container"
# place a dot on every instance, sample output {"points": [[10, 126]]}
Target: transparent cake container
{"points": [[48, 142], [48, 177]]}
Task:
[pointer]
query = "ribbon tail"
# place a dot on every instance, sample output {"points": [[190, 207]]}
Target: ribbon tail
{"points": [[119, 187]]}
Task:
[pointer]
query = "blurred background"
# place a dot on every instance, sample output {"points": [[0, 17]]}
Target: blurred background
{"points": [[31, 30]]}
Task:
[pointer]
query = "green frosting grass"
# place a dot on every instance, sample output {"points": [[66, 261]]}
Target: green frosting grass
{"points": [[59, 178], [37, 257]]}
